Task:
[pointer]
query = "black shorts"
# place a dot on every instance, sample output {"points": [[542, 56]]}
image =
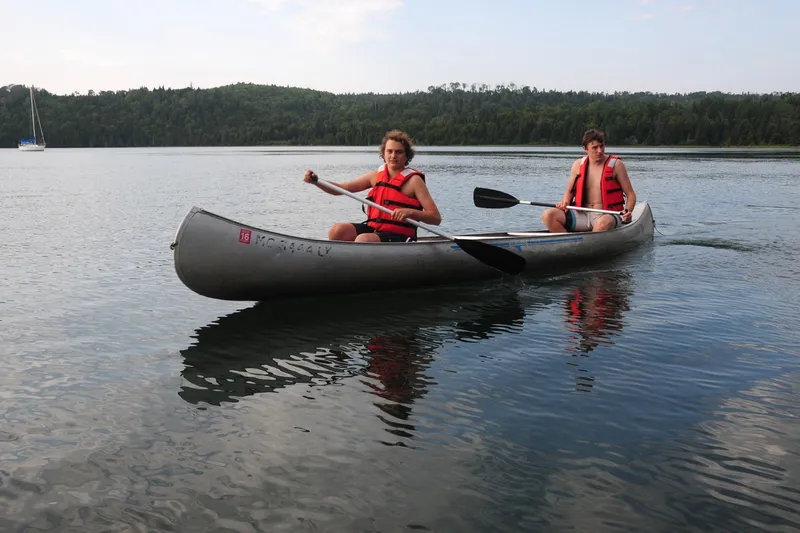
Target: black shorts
{"points": [[385, 236]]}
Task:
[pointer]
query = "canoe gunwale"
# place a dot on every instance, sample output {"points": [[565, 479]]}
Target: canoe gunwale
{"points": [[491, 236]]}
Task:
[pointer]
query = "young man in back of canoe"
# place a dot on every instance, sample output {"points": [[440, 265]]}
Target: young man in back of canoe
{"points": [[597, 181], [394, 185]]}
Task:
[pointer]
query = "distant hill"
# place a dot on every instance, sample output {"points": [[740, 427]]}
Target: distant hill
{"points": [[455, 114]]}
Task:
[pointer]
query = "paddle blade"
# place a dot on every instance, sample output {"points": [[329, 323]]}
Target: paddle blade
{"points": [[492, 199], [499, 258]]}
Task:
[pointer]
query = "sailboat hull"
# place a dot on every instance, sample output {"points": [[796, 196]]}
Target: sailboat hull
{"points": [[31, 147]]}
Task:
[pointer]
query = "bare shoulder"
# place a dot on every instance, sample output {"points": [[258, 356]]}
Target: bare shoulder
{"points": [[417, 184], [619, 168], [416, 179]]}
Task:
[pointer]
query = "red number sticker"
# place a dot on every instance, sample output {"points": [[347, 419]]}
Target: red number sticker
{"points": [[244, 235]]}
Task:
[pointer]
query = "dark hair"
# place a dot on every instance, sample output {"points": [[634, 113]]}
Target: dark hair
{"points": [[593, 135], [401, 137]]}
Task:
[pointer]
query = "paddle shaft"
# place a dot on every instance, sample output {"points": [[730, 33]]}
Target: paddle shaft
{"points": [[498, 199], [493, 256], [574, 208], [364, 201]]}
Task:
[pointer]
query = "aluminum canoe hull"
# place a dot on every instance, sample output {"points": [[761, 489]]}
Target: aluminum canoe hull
{"points": [[220, 258]]}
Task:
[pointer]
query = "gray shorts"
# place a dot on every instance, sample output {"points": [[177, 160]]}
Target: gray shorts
{"points": [[585, 220]]}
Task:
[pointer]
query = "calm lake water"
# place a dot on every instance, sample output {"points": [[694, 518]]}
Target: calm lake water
{"points": [[659, 391]]}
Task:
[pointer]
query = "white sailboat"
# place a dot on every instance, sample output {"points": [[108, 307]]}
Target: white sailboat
{"points": [[33, 144]]}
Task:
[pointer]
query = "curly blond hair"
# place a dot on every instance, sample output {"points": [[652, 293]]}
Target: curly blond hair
{"points": [[401, 137]]}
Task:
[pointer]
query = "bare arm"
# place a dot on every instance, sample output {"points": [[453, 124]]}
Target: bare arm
{"points": [[359, 184], [621, 175], [567, 198], [429, 214]]}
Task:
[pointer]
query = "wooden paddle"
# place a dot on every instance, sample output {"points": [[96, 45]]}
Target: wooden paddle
{"points": [[492, 199], [503, 260]]}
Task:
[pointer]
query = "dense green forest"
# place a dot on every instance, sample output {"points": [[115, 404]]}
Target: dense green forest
{"points": [[454, 114]]}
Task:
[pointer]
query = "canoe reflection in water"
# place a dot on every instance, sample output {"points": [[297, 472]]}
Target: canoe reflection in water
{"points": [[397, 361], [271, 346], [594, 311]]}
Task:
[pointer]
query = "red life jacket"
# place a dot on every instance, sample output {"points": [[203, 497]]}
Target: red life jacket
{"points": [[386, 192], [613, 198]]}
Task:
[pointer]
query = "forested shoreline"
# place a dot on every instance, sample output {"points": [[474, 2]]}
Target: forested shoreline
{"points": [[454, 114]]}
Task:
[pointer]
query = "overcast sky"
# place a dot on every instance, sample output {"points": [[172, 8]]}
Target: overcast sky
{"points": [[403, 45]]}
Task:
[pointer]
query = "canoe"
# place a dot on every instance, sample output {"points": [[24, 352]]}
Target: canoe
{"points": [[228, 260]]}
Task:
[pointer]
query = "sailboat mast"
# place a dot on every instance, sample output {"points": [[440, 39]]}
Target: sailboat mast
{"points": [[39, 120], [33, 119]]}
